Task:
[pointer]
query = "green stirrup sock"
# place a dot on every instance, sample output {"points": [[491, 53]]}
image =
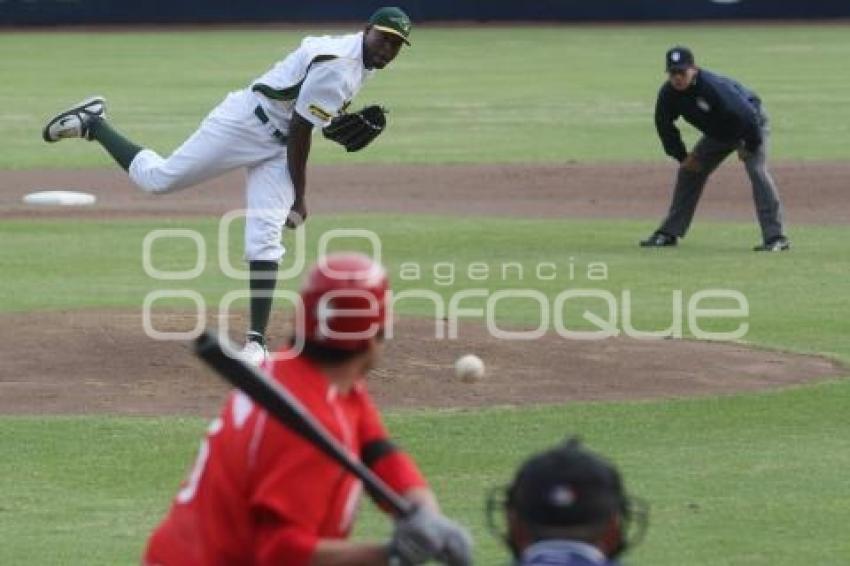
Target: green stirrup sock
{"points": [[120, 148], [263, 282]]}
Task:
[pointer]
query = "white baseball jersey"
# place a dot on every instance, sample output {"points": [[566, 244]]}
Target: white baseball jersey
{"points": [[318, 80]]}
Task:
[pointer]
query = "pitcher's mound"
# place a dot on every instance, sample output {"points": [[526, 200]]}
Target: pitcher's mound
{"points": [[102, 362]]}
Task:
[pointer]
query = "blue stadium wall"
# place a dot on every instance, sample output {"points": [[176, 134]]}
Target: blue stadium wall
{"points": [[63, 12]]}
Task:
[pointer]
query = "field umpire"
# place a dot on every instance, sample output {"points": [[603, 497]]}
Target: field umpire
{"points": [[731, 119]]}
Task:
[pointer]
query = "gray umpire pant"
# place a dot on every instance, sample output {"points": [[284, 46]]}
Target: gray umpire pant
{"points": [[689, 185]]}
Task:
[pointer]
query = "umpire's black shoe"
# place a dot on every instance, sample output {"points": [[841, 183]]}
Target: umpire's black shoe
{"points": [[659, 240], [777, 244]]}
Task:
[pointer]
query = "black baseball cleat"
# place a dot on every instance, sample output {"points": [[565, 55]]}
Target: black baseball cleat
{"points": [[74, 122], [659, 240], [777, 244]]}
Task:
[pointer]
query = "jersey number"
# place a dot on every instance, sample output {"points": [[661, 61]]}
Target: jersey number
{"points": [[187, 493]]}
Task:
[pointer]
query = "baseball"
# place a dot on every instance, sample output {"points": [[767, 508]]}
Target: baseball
{"points": [[469, 368]]}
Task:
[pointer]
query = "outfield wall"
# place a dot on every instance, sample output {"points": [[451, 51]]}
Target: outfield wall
{"points": [[71, 12]]}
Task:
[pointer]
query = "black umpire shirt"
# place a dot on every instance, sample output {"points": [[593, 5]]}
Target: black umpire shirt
{"points": [[719, 107]]}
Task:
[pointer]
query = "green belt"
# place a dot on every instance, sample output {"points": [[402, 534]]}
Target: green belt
{"points": [[264, 118]]}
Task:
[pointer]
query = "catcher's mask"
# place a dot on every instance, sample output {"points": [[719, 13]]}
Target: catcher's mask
{"points": [[565, 489]]}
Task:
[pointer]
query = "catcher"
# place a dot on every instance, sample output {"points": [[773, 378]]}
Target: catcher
{"points": [[266, 129], [566, 507]]}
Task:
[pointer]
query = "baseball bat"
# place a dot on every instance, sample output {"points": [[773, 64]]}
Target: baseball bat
{"points": [[220, 355]]}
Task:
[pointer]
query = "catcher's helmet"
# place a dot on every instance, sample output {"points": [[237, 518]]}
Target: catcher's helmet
{"points": [[569, 486], [345, 302]]}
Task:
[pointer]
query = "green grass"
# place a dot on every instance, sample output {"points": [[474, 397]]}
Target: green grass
{"points": [[742, 480], [796, 299], [748, 474], [755, 479], [549, 94]]}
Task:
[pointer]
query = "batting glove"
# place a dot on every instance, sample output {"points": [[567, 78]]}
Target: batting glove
{"points": [[426, 535]]}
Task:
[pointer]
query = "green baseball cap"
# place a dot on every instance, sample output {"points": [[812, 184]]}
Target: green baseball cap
{"points": [[392, 20]]}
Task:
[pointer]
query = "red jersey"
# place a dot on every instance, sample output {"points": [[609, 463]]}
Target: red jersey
{"points": [[259, 494]]}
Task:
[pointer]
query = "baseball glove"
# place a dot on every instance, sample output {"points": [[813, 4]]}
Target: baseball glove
{"points": [[357, 129]]}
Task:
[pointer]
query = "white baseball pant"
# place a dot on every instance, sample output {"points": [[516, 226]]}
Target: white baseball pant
{"points": [[230, 137]]}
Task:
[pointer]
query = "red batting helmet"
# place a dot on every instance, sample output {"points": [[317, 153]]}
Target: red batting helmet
{"points": [[345, 301]]}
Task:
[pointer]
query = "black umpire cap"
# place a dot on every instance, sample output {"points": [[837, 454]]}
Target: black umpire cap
{"points": [[567, 486], [678, 58]]}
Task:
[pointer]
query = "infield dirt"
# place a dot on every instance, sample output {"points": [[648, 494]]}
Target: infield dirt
{"points": [[101, 361], [812, 193]]}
